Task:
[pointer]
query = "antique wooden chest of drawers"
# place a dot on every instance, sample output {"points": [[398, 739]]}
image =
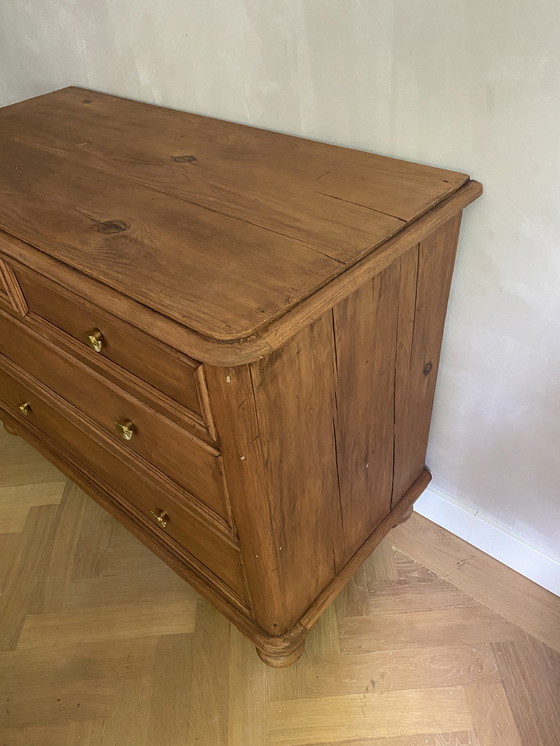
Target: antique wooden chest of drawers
{"points": [[228, 337]]}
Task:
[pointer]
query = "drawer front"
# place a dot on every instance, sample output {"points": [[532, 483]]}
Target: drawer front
{"points": [[139, 488], [103, 335], [193, 464]]}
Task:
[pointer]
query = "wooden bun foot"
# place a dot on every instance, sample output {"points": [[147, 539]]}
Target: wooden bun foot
{"points": [[405, 516], [9, 429], [279, 659]]}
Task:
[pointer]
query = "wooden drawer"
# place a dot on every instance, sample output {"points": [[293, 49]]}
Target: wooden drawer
{"points": [[167, 370], [141, 489], [193, 464]]}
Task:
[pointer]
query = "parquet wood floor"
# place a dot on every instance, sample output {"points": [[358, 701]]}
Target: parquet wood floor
{"points": [[431, 644]]}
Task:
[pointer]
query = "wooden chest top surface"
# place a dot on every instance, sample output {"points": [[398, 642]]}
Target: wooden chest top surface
{"points": [[218, 226]]}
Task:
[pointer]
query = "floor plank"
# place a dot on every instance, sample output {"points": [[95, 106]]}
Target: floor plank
{"points": [[119, 621], [172, 701], [530, 672], [472, 625], [368, 715], [492, 716], [390, 670], [524, 603]]}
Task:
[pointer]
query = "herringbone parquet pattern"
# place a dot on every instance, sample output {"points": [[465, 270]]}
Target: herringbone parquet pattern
{"points": [[431, 644]]}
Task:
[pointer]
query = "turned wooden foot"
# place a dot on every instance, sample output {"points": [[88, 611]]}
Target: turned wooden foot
{"points": [[9, 429], [404, 517], [279, 658]]}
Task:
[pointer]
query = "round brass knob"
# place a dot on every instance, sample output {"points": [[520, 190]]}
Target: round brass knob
{"points": [[94, 338], [125, 429], [25, 408], [160, 517]]}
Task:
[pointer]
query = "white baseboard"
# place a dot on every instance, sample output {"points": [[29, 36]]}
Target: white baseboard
{"points": [[491, 537]]}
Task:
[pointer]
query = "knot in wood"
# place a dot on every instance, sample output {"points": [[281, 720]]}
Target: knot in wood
{"points": [[184, 159], [109, 227]]}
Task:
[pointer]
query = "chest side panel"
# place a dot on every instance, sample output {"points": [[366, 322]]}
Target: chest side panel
{"points": [[322, 438], [423, 300], [365, 333]]}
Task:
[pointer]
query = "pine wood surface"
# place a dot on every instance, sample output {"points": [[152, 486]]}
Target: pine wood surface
{"points": [[239, 350], [125, 345], [192, 463], [224, 238], [432, 643]]}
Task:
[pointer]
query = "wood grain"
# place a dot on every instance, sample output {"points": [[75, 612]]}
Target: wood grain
{"points": [[492, 717], [369, 715], [218, 553], [227, 185], [365, 339], [422, 307], [293, 392], [79, 434], [16, 502], [457, 738], [221, 148], [192, 463], [209, 650], [198, 425], [530, 672], [378, 672], [231, 390], [301, 227], [424, 629], [523, 603], [322, 484], [233, 276], [165, 369], [170, 697], [38, 532], [239, 350]]}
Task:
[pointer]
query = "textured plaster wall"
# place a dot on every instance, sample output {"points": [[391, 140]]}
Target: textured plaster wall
{"points": [[466, 84]]}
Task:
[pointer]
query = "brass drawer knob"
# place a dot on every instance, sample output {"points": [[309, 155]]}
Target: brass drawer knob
{"points": [[160, 517], [25, 408], [94, 338], [125, 429]]}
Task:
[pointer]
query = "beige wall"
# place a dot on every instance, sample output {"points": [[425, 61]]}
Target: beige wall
{"points": [[471, 85]]}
